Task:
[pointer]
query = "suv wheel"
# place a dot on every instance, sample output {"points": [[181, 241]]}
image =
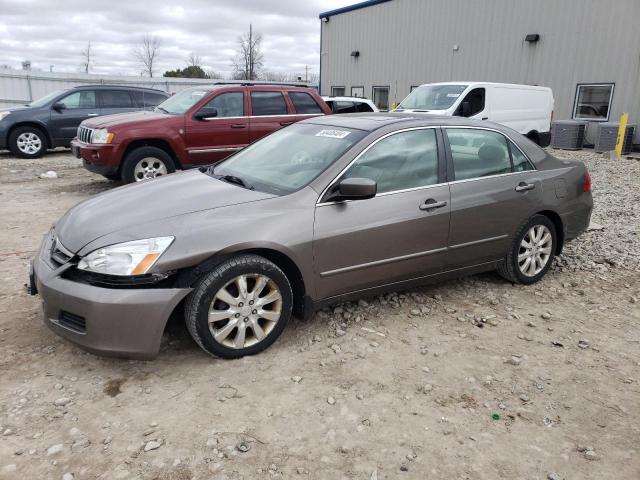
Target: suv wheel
{"points": [[240, 307], [146, 163], [532, 251], [27, 142]]}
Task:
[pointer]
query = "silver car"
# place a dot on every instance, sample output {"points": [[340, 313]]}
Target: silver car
{"points": [[326, 210]]}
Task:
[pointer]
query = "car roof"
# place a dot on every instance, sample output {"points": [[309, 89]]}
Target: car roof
{"points": [[118, 87], [373, 121]]}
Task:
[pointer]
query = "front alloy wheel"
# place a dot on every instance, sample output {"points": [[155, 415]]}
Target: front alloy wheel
{"points": [[240, 307], [149, 168], [245, 311]]}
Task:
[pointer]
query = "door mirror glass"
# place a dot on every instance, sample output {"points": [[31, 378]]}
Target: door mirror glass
{"points": [[58, 106], [355, 189], [206, 112]]}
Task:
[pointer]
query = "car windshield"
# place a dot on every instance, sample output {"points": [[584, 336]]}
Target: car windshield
{"points": [[41, 102], [182, 101], [432, 97], [288, 159]]}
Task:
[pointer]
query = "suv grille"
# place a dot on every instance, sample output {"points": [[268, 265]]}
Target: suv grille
{"points": [[59, 254], [72, 322], [84, 134]]}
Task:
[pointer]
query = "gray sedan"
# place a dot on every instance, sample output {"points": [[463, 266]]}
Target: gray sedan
{"points": [[326, 210]]}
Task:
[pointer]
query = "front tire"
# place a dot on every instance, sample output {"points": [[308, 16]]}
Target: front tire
{"points": [[27, 142], [531, 254], [146, 163], [240, 307]]}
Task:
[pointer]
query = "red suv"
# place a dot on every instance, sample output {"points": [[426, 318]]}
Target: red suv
{"points": [[199, 125]]}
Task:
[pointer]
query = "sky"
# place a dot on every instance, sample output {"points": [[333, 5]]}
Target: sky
{"points": [[55, 33]]}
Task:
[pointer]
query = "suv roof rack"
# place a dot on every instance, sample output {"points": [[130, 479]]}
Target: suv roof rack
{"points": [[246, 83]]}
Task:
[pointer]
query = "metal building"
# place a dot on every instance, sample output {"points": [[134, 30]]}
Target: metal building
{"points": [[587, 51]]}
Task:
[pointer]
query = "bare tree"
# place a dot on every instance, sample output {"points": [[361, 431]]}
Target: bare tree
{"points": [[194, 60], [213, 74], [86, 58], [249, 59], [146, 53], [274, 76]]}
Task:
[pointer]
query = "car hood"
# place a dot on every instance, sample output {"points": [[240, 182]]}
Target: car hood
{"points": [[139, 203], [124, 119], [14, 109]]}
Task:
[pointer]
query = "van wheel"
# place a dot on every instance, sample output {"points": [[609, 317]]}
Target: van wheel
{"points": [[27, 142], [240, 307], [534, 137], [146, 163], [531, 253]]}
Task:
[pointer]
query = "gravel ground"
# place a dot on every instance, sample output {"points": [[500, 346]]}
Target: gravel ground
{"points": [[469, 379]]}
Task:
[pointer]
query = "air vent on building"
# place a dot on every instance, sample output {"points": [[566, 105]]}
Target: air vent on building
{"points": [[567, 134], [608, 136]]}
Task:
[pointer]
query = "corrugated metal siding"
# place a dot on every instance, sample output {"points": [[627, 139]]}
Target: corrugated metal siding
{"points": [[409, 42]]}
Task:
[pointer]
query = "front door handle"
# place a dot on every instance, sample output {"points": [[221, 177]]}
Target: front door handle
{"points": [[523, 187], [485, 118], [92, 114], [238, 125], [432, 204]]}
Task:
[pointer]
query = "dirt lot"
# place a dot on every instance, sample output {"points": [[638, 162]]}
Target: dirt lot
{"points": [[471, 379]]}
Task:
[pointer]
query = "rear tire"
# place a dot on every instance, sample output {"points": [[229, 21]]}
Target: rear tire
{"points": [[146, 163], [531, 254], [240, 307], [534, 137], [28, 142]]}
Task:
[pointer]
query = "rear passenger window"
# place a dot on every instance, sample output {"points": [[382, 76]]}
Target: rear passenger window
{"points": [[520, 162], [478, 153], [144, 99], [268, 103], [304, 103], [115, 99], [401, 161]]}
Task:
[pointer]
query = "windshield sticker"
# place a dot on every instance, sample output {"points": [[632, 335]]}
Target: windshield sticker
{"points": [[453, 95], [332, 133]]}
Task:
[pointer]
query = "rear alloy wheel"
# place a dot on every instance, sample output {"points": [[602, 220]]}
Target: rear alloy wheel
{"points": [[146, 163], [240, 307], [27, 142], [531, 253]]}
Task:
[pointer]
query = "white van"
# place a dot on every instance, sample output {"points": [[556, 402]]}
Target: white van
{"points": [[525, 108]]}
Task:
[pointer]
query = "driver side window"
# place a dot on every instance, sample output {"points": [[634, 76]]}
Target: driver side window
{"points": [[401, 161], [230, 104], [475, 99], [80, 99]]}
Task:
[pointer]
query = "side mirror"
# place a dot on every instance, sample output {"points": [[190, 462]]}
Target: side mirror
{"points": [[58, 106], [355, 189], [206, 112], [465, 109]]}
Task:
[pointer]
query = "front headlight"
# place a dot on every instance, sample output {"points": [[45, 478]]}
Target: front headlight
{"points": [[101, 135], [3, 114], [129, 258]]}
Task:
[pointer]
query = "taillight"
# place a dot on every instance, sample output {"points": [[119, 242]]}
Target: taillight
{"points": [[587, 182]]}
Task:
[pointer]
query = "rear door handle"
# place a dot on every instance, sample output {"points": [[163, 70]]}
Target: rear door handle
{"points": [[238, 125], [523, 187], [92, 114], [432, 204]]}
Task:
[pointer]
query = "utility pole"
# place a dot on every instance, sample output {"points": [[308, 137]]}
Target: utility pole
{"points": [[306, 73], [250, 52]]}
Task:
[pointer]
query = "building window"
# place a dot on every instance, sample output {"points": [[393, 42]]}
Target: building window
{"points": [[593, 101], [381, 97], [357, 92], [337, 91]]}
